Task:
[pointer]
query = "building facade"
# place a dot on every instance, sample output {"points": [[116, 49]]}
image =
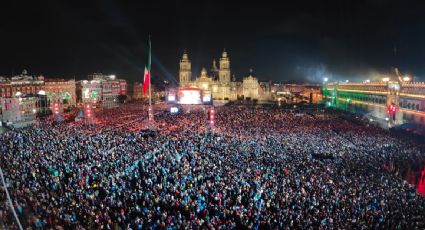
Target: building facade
{"points": [[19, 110], [137, 91], [218, 81], [110, 93], [123, 87], [250, 87], [62, 90], [91, 92], [220, 89], [20, 84], [103, 90], [406, 97]]}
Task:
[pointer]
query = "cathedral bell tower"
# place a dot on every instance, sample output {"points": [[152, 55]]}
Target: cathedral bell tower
{"points": [[224, 71], [185, 73]]}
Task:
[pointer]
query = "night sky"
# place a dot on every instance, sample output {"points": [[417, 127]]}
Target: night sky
{"points": [[298, 40]]}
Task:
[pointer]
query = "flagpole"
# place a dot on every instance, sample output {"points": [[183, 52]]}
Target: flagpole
{"points": [[150, 115]]}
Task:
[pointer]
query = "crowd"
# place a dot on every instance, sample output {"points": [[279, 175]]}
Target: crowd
{"points": [[255, 168]]}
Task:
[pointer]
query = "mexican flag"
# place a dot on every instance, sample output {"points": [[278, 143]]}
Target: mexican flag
{"points": [[147, 75]]}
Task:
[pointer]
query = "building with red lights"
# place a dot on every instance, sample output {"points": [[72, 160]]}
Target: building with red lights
{"points": [[62, 90], [123, 87], [20, 84], [103, 90]]}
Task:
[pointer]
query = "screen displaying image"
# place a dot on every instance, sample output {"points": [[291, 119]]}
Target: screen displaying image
{"points": [[190, 96], [206, 98]]}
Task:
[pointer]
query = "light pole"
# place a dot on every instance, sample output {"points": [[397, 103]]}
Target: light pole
{"points": [[88, 114], [211, 116], [58, 108]]}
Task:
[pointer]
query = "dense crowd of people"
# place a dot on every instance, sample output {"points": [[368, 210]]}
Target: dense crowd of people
{"points": [[255, 168]]}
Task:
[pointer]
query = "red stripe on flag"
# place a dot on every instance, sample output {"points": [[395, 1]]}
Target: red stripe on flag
{"points": [[146, 81]]}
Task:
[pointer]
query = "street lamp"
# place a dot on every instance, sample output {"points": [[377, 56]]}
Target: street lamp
{"points": [[385, 79], [406, 78]]}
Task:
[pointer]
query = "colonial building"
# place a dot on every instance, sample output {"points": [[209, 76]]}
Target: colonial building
{"points": [[110, 92], [217, 82], [62, 90], [19, 111], [23, 84], [137, 91], [123, 87], [91, 92], [103, 90], [250, 87], [396, 91]]}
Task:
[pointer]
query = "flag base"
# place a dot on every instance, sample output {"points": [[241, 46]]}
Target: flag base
{"points": [[151, 122]]}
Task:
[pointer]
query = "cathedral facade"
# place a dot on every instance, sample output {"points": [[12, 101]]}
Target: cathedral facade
{"points": [[216, 82]]}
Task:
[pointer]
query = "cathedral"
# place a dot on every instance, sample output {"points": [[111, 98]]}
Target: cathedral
{"points": [[219, 85], [216, 83]]}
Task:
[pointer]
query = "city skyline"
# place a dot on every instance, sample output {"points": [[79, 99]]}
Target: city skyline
{"points": [[301, 41]]}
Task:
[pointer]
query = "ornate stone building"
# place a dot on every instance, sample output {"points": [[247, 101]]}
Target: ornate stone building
{"points": [[218, 81], [20, 84], [103, 90], [20, 111], [60, 89], [250, 87], [220, 89]]}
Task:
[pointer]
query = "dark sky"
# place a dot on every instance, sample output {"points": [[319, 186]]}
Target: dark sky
{"points": [[280, 40]]}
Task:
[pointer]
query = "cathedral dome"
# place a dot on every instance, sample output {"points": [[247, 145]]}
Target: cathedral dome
{"points": [[203, 72]]}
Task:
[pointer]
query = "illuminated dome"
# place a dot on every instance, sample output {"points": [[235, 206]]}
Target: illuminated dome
{"points": [[203, 72]]}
